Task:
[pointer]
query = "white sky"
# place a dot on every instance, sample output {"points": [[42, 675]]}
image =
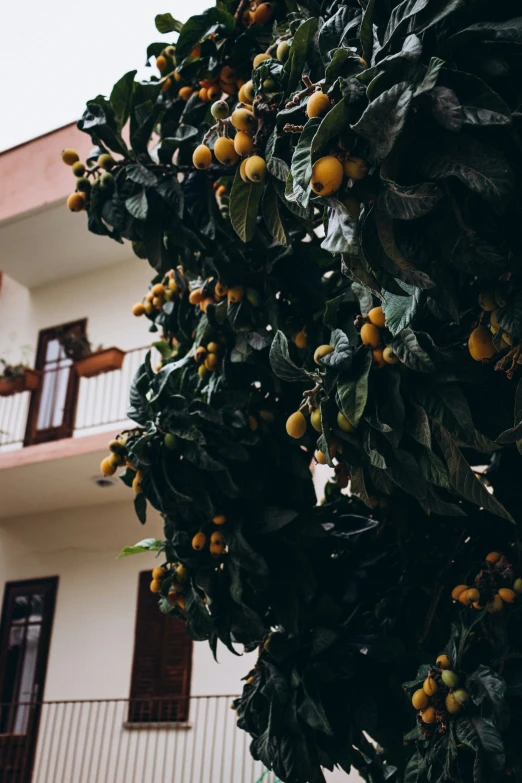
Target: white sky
{"points": [[55, 55]]}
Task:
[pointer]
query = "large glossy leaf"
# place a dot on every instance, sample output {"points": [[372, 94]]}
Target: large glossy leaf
{"points": [[147, 545], [121, 98], [462, 478], [399, 311], [409, 351], [480, 168], [407, 202], [341, 358], [366, 32], [281, 363], [244, 206], [301, 168], [401, 14], [341, 231], [487, 690], [197, 27], [480, 104], [383, 120], [352, 389], [332, 125], [271, 214], [138, 205], [446, 108], [334, 30], [165, 23], [481, 734], [99, 121], [301, 44]]}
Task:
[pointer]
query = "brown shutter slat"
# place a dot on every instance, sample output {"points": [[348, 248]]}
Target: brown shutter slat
{"points": [[162, 662]]}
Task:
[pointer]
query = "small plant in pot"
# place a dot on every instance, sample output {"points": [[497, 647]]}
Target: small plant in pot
{"points": [[16, 378], [88, 362]]}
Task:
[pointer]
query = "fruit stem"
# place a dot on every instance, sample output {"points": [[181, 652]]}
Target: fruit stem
{"points": [[289, 128], [308, 90]]}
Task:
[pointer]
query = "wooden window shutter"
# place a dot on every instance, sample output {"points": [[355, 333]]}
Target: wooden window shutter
{"points": [[161, 670]]}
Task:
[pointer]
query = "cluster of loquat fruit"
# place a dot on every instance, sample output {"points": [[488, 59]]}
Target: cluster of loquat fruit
{"points": [[207, 358], [439, 696], [78, 200], [481, 344], [158, 294], [177, 576], [370, 335], [117, 456], [493, 586], [216, 540]]}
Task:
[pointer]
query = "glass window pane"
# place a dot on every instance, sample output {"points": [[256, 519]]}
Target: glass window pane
{"points": [[53, 350], [60, 394], [46, 400], [19, 610], [35, 615], [25, 690]]}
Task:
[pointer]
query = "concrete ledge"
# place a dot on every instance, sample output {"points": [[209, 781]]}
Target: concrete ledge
{"points": [[55, 450]]}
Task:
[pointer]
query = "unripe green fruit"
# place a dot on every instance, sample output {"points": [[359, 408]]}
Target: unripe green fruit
{"points": [[355, 168], [255, 168], [449, 678], [83, 185], [78, 169], [452, 705], [170, 441], [517, 587], [344, 424], [253, 297], [269, 85], [106, 161], [461, 696], [296, 425], [220, 110], [315, 419], [107, 181], [282, 51]]}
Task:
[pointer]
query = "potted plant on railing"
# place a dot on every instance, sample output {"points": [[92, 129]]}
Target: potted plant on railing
{"points": [[89, 363], [16, 378]]}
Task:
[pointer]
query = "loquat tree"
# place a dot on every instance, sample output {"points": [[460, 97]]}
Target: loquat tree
{"points": [[329, 196]]}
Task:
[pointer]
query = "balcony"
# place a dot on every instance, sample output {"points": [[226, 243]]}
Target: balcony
{"points": [[93, 741], [100, 406], [63, 471]]}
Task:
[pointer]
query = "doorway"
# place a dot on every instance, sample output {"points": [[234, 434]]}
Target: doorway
{"points": [[52, 408], [25, 635]]}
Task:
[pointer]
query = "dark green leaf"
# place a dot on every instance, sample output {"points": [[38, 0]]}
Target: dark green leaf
{"points": [[196, 28], [383, 120], [352, 390], [341, 233], [407, 202], [121, 98], [480, 104], [446, 108], [140, 174], [366, 32], [165, 23], [137, 205], [301, 168], [140, 507], [297, 58], [244, 206], [462, 478], [408, 350], [270, 206], [482, 169], [341, 358], [399, 311], [281, 363], [275, 518], [332, 125]]}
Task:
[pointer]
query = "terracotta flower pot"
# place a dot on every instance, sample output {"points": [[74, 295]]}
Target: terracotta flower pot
{"points": [[96, 363], [29, 381]]}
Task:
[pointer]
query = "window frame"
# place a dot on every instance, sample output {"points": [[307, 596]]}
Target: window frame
{"points": [[33, 435]]}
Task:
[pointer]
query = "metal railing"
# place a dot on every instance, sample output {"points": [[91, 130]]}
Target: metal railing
{"points": [[102, 402], [105, 741]]}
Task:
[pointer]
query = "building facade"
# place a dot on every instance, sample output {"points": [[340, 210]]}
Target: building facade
{"points": [[81, 666]]}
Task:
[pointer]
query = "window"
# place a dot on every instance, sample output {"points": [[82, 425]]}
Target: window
{"points": [[160, 685], [52, 409]]}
